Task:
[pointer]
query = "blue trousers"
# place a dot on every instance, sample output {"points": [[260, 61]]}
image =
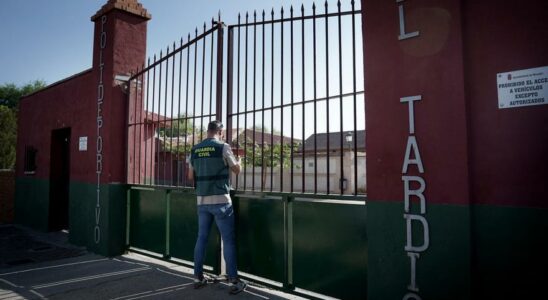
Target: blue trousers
{"points": [[223, 214]]}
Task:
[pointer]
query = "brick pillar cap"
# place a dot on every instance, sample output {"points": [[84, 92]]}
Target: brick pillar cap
{"points": [[130, 6]]}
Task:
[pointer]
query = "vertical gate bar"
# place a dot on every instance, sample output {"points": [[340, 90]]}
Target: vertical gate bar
{"points": [[245, 102], [164, 167], [229, 87], [185, 150], [238, 100], [139, 126], [262, 117], [153, 136], [157, 177], [145, 120], [194, 90], [354, 94], [179, 114], [219, 87], [134, 121], [254, 96], [282, 101], [171, 115], [142, 132], [303, 99], [203, 85], [292, 95], [128, 217], [327, 89], [168, 220], [289, 248], [272, 103], [315, 100], [211, 71], [341, 98]]}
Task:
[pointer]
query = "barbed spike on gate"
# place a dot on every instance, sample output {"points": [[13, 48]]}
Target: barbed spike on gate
{"points": [[326, 4], [339, 4], [239, 16], [181, 41], [205, 26], [246, 17], [263, 15], [272, 13]]}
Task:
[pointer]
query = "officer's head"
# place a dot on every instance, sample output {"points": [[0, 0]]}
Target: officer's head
{"points": [[214, 128]]}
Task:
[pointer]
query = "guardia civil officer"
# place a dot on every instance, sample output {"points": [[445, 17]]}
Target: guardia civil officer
{"points": [[211, 162]]}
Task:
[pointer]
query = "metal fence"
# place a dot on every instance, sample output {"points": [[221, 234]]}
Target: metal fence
{"points": [[172, 99], [295, 100]]}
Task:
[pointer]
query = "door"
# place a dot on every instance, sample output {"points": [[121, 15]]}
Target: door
{"points": [[59, 179]]}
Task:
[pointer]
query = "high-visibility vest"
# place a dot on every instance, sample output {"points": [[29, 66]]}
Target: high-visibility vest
{"points": [[211, 172]]}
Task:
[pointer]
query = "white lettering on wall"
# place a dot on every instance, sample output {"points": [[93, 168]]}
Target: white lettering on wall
{"points": [[99, 147], [403, 35], [413, 158]]}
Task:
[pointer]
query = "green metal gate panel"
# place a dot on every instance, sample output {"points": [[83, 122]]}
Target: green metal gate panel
{"points": [[147, 220], [330, 247], [260, 236], [183, 230]]}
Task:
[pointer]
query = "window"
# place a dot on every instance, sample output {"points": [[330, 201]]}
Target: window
{"points": [[30, 160]]}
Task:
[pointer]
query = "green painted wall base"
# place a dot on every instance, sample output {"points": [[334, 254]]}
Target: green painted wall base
{"points": [[442, 271], [32, 210], [32, 202], [112, 217]]}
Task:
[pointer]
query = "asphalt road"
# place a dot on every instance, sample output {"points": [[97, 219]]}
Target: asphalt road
{"points": [[42, 273]]}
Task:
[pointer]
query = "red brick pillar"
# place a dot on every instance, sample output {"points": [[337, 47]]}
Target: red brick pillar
{"points": [[417, 160]]}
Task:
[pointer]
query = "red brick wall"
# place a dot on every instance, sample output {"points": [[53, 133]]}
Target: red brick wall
{"points": [[7, 189]]}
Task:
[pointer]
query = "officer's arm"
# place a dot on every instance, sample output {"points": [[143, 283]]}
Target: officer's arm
{"points": [[190, 173], [232, 161], [236, 169]]}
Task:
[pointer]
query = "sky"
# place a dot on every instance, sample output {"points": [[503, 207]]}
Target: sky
{"points": [[51, 40]]}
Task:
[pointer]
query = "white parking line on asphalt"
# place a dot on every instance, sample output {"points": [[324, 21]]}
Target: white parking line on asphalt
{"points": [[147, 293], [89, 278], [178, 275], [159, 293], [55, 266], [130, 262], [9, 283], [38, 294]]}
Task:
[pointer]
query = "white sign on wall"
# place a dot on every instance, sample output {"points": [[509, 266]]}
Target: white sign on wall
{"points": [[83, 143], [523, 87]]}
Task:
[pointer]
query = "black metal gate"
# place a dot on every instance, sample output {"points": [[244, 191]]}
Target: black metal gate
{"points": [[295, 115]]}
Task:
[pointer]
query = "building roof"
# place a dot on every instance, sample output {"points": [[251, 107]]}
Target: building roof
{"points": [[269, 138], [334, 141], [130, 6]]}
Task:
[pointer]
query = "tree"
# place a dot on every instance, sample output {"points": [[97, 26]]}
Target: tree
{"points": [[271, 156], [180, 126], [10, 94], [8, 137]]}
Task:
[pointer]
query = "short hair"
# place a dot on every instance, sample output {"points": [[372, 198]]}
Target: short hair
{"points": [[215, 126]]}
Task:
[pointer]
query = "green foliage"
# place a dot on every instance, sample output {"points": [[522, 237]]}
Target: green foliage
{"points": [[269, 157], [180, 127], [10, 93], [8, 137]]}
